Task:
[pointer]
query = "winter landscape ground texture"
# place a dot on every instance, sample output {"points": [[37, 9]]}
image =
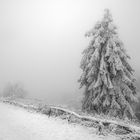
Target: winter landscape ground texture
{"points": [[18, 124]]}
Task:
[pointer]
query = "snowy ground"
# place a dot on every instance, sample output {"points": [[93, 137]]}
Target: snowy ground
{"points": [[18, 124]]}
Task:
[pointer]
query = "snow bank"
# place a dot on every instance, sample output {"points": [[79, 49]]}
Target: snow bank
{"points": [[119, 128], [18, 124]]}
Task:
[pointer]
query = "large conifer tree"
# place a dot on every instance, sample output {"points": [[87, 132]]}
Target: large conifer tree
{"points": [[107, 75]]}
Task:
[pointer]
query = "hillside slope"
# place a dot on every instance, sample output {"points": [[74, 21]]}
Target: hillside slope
{"points": [[18, 124]]}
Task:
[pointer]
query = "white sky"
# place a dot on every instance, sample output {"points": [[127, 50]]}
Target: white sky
{"points": [[41, 40]]}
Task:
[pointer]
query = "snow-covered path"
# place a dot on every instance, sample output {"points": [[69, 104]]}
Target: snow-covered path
{"points": [[18, 124]]}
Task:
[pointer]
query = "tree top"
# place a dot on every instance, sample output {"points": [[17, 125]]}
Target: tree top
{"points": [[107, 15]]}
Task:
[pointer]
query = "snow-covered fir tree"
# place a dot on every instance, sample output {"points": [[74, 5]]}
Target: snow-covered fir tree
{"points": [[107, 75]]}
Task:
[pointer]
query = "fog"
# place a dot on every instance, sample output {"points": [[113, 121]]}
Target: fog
{"points": [[41, 42]]}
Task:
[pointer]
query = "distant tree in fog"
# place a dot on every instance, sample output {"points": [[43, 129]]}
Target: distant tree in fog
{"points": [[107, 76], [14, 91]]}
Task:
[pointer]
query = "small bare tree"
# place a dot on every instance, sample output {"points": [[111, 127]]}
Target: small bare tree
{"points": [[14, 91]]}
